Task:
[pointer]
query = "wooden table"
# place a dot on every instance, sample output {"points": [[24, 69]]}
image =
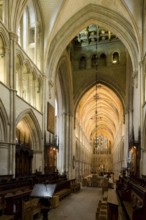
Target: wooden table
{"points": [[113, 204]]}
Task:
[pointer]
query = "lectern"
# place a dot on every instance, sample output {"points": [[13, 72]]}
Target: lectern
{"points": [[44, 192]]}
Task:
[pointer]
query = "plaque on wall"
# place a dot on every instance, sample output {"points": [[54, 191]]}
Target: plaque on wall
{"points": [[50, 118]]}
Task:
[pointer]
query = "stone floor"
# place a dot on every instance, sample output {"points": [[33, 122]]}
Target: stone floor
{"points": [[80, 206]]}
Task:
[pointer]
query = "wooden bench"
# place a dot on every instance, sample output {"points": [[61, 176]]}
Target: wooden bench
{"points": [[102, 211], [2, 211], [133, 197], [30, 208], [63, 193], [75, 187], [54, 201], [35, 206], [128, 208], [113, 203]]}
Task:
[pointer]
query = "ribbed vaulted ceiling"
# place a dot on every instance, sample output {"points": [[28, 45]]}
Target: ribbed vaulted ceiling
{"points": [[100, 112]]}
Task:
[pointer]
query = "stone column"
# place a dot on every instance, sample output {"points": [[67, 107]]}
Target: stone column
{"points": [[64, 159], [20, 83], [38, 55], [142, 150], [4, 160], [61, 159], [6, 65], [69, 147], [12, 85], [65, 117]]}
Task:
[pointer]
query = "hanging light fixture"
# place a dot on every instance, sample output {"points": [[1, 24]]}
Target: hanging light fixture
{"points": [[96, 97], [98, 142]]}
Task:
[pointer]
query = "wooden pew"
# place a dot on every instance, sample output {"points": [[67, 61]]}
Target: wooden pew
{"points": [[35, 206], [138, 197], [14, 191], [30, 208], [26, 210], [133, 197], [63, 189], [113, 203], [102, 210], [2, 211]]}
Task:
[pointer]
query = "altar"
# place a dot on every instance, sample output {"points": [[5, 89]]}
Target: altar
{"points": [[95, 180]]}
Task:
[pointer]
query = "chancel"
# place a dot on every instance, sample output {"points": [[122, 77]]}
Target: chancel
{"points": [[73, 109]]}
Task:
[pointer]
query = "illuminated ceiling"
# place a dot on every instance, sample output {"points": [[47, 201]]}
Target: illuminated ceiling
{"points": [[100, 112]]}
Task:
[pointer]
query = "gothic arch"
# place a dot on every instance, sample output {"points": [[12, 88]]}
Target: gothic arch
{"points": [[88, 85], [20, 56], [3, 123], [64, 71], [18, 11], [91, 14], [4, 36], [30, 121], [64, 93]]}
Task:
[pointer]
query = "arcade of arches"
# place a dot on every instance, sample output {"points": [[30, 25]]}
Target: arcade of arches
{"points": [[72, 87]]}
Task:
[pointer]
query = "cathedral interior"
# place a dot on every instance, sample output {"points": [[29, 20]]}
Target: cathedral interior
{"points": [[72, 103]]}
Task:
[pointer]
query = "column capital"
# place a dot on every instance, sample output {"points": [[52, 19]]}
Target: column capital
{"points": [[13, 36]]}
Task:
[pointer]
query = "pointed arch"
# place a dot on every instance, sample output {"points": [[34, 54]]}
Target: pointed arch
{"points": [[91, 14], [30, 121], [64, 97], [5, 37], [3, 45], [65, 76], [3, 123]]}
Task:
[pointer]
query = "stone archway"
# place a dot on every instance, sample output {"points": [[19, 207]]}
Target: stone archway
{"points": [[29, 137], [4, 145], [64, 93], [89, 15]]}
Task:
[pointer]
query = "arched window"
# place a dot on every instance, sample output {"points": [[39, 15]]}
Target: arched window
{"points": [[38, 93], [29, 32], [31, 88], [56, 107], [94, 60], [25, 75], [18, 76], [82, 63], [102, 60], [115, 58]]}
